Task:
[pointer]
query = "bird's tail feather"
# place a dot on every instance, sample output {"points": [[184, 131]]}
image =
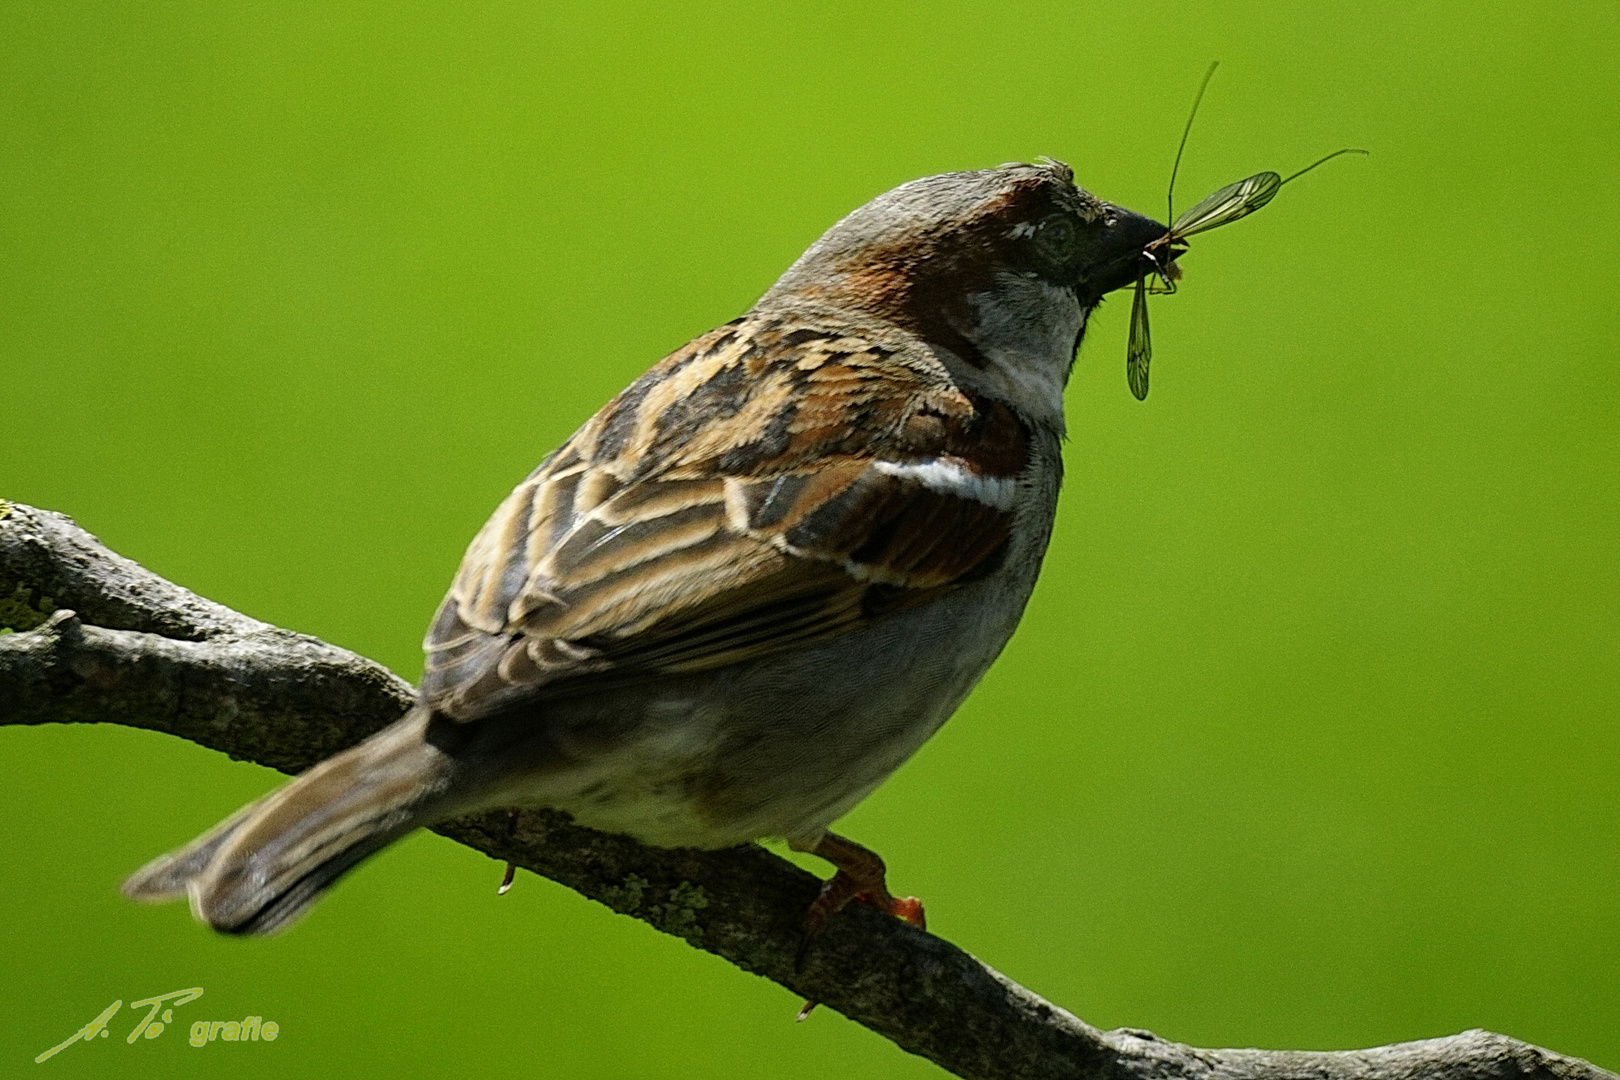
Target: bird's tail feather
{"points": [[261, 868]]}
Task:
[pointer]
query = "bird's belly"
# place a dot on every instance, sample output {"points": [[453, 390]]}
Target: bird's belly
{"points": [[784, 745]]}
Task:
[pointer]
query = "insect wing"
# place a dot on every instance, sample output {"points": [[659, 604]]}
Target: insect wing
{"points": [[1139, 351], [1227, 205]]}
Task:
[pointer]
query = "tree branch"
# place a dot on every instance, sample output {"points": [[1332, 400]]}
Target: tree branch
{"points": [[99, 638]]}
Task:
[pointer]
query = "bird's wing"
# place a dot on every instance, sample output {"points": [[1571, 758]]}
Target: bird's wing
{"points": [[769, 484]]}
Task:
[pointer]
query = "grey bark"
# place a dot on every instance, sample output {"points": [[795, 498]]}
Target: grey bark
{"points": [[98, 638]]}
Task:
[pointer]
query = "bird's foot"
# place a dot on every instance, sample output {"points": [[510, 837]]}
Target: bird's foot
{"points": [[845, 887], [861, 876]]}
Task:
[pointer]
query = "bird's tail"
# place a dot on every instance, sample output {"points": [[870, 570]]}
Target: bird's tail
{"points": [[261, 868]]}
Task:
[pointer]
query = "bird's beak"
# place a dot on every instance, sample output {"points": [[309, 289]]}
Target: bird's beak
{"points": [[1116, 256]]}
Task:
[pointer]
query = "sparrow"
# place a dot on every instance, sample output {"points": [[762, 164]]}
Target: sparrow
{"points": [[757, 580]]}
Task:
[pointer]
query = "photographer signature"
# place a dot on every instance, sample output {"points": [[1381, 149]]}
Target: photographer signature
{"points": [[252, 1028]]}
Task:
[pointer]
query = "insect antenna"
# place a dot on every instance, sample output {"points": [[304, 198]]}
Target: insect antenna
{"points": [[1323, 161], [1170, 198]]}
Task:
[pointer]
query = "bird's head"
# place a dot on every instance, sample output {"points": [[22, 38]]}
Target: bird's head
{"points": [[997, 269]]}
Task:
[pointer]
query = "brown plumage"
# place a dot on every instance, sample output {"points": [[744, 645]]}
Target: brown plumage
{"points": [[750, 586], [748, 494]]}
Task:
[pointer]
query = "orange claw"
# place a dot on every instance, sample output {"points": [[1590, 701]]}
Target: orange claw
{"points": [[910, 909]]}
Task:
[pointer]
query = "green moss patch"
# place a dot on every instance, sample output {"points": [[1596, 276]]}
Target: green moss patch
{"points": [[19, 610]]}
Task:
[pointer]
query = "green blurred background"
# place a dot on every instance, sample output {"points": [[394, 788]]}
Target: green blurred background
{"points": [[1309, 738]]}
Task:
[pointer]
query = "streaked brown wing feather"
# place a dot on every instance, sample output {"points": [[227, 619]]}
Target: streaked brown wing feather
{"points": [[766, 486]]}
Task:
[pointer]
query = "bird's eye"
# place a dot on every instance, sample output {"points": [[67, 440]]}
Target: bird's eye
{"points": [[1054, 239]]}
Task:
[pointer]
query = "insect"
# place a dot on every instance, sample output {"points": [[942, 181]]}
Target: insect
{"points": [[1223, 207]]}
